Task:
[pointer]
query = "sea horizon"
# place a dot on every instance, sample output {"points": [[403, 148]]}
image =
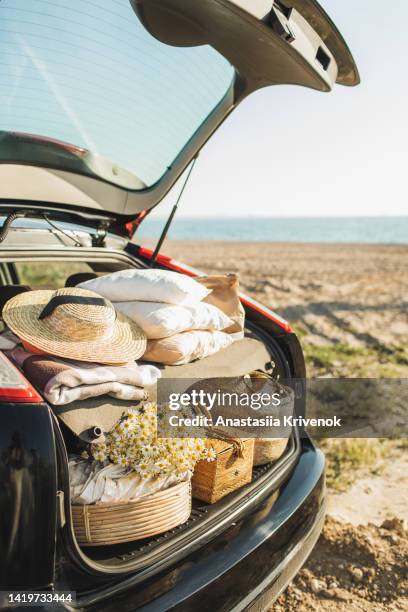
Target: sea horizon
{"points": [[345, 230]]}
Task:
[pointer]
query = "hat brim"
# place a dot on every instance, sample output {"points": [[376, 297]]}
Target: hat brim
{"points": [[127, 343]]}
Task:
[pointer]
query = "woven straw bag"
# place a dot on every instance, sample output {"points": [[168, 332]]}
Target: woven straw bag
{"points": [[266, 450], [117, 522]]}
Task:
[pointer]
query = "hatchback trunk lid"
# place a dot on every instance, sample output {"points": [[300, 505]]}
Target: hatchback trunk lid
{"points": [[138, 89]]}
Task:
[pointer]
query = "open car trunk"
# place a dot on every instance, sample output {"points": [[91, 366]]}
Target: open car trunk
{"points": [[205, 520], [256, 351]]}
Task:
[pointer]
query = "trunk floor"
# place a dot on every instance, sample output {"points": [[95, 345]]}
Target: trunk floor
{"points": [[201, 511]]}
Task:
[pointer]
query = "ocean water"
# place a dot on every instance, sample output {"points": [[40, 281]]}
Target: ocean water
{"points": [[368, 230]]}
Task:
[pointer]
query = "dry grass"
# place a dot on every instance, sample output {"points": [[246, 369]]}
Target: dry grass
{"points": [[347, 457]]}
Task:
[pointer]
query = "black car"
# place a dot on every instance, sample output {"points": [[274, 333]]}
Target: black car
{"points": [[104, 106]]}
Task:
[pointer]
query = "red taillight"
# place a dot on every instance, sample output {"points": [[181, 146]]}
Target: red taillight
{"points": [[148, 253], [14, 387], [269, 314]]}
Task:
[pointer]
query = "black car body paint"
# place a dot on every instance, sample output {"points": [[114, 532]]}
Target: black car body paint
{"points": [[28, 485]]}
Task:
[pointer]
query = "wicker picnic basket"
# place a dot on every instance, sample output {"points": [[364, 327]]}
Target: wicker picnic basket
{"points": [[231, 470], [117, 522]]}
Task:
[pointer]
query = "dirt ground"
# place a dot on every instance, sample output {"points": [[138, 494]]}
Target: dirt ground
{"points": [[352, 569], [378, 493], [348, 303]]}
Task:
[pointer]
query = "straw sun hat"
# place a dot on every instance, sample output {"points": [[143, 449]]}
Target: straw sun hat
{"points": [[76, 324]]}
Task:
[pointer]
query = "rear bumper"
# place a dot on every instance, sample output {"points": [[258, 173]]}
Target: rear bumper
{"points": [[279, 578], [245, 567]]}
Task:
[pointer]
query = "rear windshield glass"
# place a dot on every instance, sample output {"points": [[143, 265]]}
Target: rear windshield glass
{"points": [[86, 72]]}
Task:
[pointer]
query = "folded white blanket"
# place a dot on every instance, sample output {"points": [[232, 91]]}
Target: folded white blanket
{"points": [[163, 320], [63, 381], [92, 482], [186, 347]]}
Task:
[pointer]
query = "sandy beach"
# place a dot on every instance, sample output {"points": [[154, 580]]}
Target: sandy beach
{"points": [[349, 303]]}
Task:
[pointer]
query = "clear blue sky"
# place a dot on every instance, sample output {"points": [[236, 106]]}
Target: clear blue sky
{"points": [[292, 151]]}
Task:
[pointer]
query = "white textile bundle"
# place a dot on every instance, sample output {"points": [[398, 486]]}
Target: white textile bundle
{"points": [[163, 320], [148, 286], [93, 481]]}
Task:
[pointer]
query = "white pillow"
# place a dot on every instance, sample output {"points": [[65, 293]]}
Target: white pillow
{"points": [[148, 286], [162, 320], [186, 347]]}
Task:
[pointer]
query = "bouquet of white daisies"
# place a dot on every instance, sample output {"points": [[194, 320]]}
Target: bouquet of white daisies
{"points": [[134, 460], [134, 443]]}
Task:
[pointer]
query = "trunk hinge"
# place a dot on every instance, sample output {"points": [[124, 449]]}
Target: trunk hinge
{"points": [[98, 239]]}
